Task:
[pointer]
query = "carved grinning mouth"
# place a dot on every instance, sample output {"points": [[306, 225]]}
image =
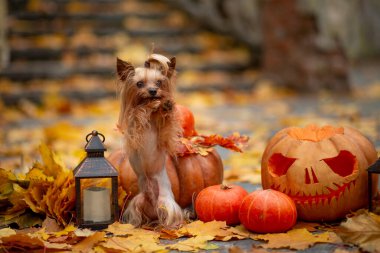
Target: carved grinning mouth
{"points": [[324, 198]]}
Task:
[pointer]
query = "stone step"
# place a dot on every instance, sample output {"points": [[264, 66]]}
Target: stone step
{"points": [[51, 54], [37, 95], [24, 71], [54, 41]]}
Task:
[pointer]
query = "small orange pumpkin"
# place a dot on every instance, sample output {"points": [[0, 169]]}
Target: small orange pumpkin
{"points": [[188, 174], [323, 169], [268, 211], [221, 203], [186, 118]]}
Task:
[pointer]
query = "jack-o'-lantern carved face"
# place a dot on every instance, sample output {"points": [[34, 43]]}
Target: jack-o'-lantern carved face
{"points": [[322, 169]]}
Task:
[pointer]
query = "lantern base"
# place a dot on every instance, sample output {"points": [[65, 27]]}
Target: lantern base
{"points": [[95, 226]]}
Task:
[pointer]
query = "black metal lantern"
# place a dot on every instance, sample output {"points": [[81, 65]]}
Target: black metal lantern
{"points": [[96, 186], [373, 169]]}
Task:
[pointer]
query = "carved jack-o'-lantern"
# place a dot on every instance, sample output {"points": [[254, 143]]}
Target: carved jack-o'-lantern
{"points": [[322, 169]]}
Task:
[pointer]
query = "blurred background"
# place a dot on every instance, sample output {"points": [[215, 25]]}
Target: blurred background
{"points": [[253, 66]]}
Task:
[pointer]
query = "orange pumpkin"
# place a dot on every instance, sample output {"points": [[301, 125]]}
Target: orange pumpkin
{"points": [[323, 169], [188, 174], [220, 202], [186, 118], [267, 211]]}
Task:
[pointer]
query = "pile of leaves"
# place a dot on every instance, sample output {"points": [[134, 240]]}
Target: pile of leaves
{"points": [[362, 229], [126, 238], [47, 189]]}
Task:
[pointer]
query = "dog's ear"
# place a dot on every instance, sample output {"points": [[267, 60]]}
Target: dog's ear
{"points": [[171, 66], [124, 69]]}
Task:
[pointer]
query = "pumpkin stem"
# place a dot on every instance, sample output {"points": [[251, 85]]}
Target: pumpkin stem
{"points": [[225, 187]]}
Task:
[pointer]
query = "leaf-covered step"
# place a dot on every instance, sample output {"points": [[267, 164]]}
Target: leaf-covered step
{"points": [[51, 70], [37, 96], [39, 54], [35, 54]]}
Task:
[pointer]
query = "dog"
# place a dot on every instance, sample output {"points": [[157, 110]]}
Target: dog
{"points": [[151, 132]]}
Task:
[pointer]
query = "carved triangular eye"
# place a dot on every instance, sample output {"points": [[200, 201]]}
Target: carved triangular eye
{"points": [[343, 164], [280, 164]]}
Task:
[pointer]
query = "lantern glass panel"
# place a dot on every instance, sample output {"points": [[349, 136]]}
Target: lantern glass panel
{"points": [[96, 200]]}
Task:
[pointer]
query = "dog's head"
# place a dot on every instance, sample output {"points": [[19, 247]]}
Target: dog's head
{"points": [[143, 84]]}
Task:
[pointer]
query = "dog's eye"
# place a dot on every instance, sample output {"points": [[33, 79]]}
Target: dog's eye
{"points": [[159, 83], [140, 84]]}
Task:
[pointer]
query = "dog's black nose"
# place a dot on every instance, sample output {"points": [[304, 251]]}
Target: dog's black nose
{"points": [[152, 92]]}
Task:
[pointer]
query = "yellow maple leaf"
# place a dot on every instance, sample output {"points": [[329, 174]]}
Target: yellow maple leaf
{"points": [[53, 163], [134, 244], [89, 242], [68, 229], [38, 176], [119, 229], [33, 198], [298, 239], [194, 243], [216, 229], [42, 234]]}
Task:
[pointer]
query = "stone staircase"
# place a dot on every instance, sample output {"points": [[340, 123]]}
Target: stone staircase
{"points": [[71, 46]]}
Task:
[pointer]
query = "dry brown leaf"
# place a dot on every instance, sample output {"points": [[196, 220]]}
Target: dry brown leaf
{"points": [[298, 239], [35, 240], [203, 144], [362, 229], [23, 241], [50, 225]]}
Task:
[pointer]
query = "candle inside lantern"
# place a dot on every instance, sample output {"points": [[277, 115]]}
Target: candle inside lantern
{"points": [[96, 204]]}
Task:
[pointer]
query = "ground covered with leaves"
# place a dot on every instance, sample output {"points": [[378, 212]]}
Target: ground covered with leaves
{"points": [[42, 143]]}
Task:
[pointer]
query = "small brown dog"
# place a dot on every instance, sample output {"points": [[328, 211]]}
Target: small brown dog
{"points": [[147, 120]]}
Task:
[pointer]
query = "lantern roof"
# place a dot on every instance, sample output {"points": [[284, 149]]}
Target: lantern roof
{"points": [[94, 144], [95, 167], [375, 167]]}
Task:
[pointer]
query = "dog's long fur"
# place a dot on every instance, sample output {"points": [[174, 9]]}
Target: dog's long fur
{"points": [[151, 133]]}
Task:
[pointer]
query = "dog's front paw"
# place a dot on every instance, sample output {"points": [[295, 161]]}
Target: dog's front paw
{"points": [[154, 105], [167, 106]]}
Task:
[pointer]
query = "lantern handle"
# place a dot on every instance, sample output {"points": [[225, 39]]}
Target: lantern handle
{"points": [[95, 133]]}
